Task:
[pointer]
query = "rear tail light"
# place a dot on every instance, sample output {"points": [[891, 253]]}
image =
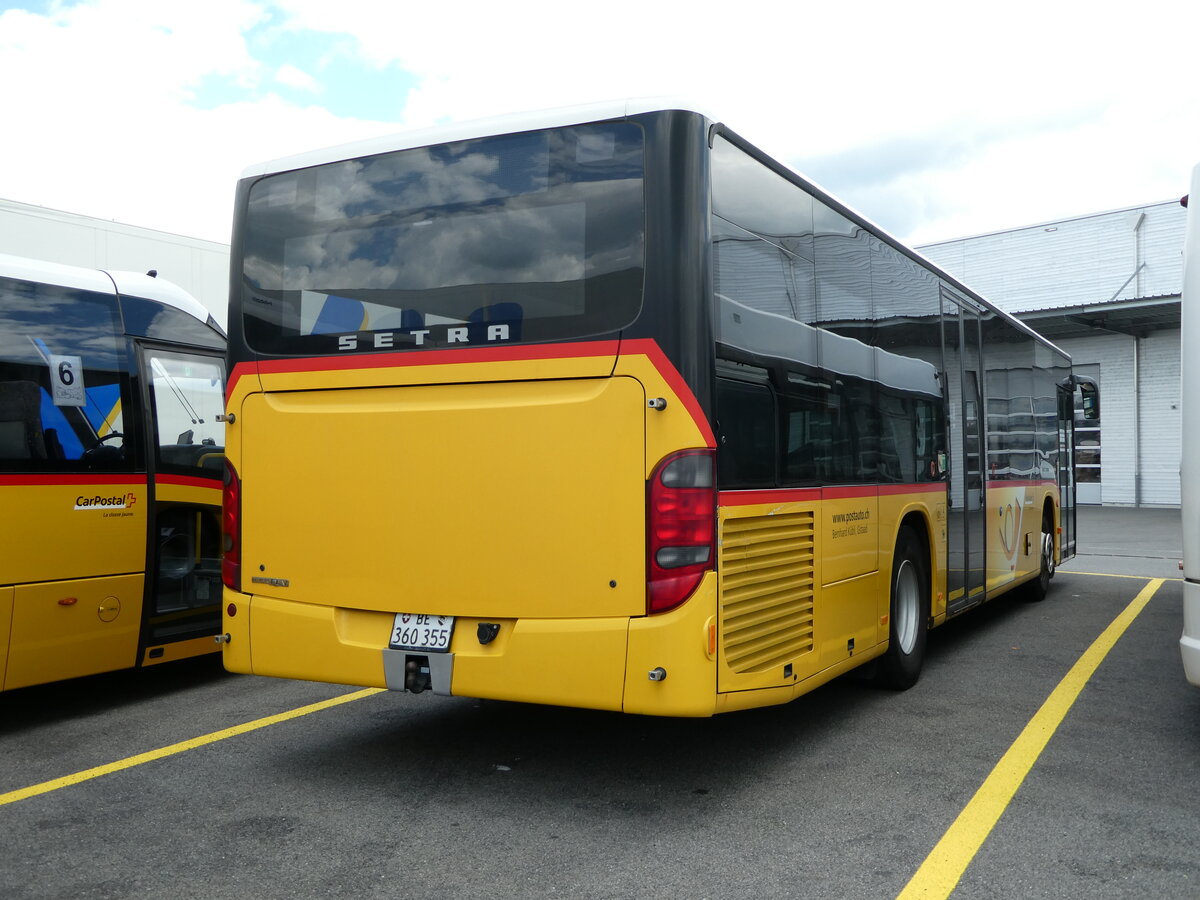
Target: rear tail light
{"points": [[681, 514], [231, 529]]}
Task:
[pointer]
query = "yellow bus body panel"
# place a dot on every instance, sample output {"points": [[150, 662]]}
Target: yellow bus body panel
{"points": [[196, 495], [6, 610], [786, 627], [562, 662], [303, 640], [677, 642], [783, 620], [57, 540], [574, 662], [67, 629], [849, 536], [1014, 529], [467, 500], [495, 500], [177, 650]]}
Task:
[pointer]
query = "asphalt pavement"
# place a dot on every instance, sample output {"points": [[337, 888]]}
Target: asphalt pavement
{"points": [[182, 781], [1126, 541]]}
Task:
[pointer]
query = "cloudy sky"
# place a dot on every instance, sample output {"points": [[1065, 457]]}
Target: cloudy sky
{"points": [[935, 119]]}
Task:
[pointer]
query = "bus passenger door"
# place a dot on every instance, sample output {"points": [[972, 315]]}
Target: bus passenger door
{"points": [[1066, 469], [965, 539], [185, 394]]}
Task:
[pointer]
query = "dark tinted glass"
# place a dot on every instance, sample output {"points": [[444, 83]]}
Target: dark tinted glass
{"points": [[525, 237], [146, 318], [746, 440], [63, 381]]}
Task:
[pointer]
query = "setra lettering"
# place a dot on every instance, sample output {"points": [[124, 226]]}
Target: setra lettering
{"points": [[457, 334]]}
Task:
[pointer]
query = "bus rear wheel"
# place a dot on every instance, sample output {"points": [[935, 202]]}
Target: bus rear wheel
{"points": [[1036, 590], [908, 619]]}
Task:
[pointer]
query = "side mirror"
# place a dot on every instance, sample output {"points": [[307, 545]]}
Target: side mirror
{"points": [[1091, 398]]}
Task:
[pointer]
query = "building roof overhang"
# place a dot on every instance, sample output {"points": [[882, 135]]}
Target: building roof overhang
{"points": [[1136, 318]]}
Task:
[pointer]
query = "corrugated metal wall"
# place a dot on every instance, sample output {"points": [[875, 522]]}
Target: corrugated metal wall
{"points": [[1085, 260]]}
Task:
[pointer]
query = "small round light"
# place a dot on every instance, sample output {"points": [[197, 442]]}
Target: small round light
{"points": [[231, 610]]}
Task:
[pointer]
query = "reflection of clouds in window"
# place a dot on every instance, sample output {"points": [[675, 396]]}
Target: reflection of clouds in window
{"points": [[497, 245], [748, 193], [432, 177], [528, 223], [482, 248], [63, 326]]}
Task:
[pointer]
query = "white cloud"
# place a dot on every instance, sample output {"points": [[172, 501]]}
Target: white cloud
{"points": [[807, 81], [940, 118], [101, 123], [290, 76]]}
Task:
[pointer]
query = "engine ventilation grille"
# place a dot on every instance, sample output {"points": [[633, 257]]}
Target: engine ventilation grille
{"points": [[766, 590]]}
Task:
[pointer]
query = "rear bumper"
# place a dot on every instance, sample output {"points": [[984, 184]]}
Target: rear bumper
{"points": [[1189, 643], [599, 663]]}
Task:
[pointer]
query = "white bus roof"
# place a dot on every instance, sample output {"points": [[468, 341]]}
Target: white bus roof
{"points": [[133, 284], [461, 131]]}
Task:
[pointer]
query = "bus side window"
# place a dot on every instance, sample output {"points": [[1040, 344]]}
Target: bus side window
{"points": [[931, 441], [808, 416], [746, 444], [63, 380], [897, 439], [21, 435], [864, 464]]}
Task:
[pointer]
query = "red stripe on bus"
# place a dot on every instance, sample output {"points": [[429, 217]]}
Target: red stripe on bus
{"points": [[190, 481], [850, 492], [649, 348], [777, 495], [925, 487], [1049, 482], [517, 353], [800, 495], [46, 478], [444, 357]]}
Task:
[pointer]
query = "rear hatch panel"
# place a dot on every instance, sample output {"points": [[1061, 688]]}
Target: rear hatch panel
{"points": [[497, 500]]}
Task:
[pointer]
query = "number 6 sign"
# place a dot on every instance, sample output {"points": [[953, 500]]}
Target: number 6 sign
{"points": [[66, 380]]}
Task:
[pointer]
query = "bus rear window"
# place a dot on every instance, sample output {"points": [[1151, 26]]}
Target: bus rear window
{"points": [[527, 237]]}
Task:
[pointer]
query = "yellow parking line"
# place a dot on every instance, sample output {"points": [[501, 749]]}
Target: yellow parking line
{"points": [[47, 786], [1113, 575], [942, 869]]}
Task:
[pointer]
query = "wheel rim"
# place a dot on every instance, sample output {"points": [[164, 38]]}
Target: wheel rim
{"points": [[908, 606], [1048, 553]]}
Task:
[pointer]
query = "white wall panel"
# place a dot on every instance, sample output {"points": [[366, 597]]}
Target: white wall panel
{"points": [[199, 267], [1161, 428]]}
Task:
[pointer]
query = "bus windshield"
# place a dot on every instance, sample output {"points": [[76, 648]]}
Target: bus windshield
{"points": [[528, 237]]}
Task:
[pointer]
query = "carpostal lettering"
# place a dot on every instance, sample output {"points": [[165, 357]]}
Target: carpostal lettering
{"points": [[386, 340], [119, 501]]}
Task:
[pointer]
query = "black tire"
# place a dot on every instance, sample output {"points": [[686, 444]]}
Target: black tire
{"points": [[908, 618], [1035, 591]]}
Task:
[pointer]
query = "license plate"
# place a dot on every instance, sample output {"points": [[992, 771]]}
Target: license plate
{"points": [[412, 631]]}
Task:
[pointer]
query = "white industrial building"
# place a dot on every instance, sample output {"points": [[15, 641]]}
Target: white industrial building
{"points": [[199, 267], [1104, 287]]}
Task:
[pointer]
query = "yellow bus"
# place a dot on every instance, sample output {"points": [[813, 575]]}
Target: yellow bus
{"points": [[110, 468], [606, 408]]}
